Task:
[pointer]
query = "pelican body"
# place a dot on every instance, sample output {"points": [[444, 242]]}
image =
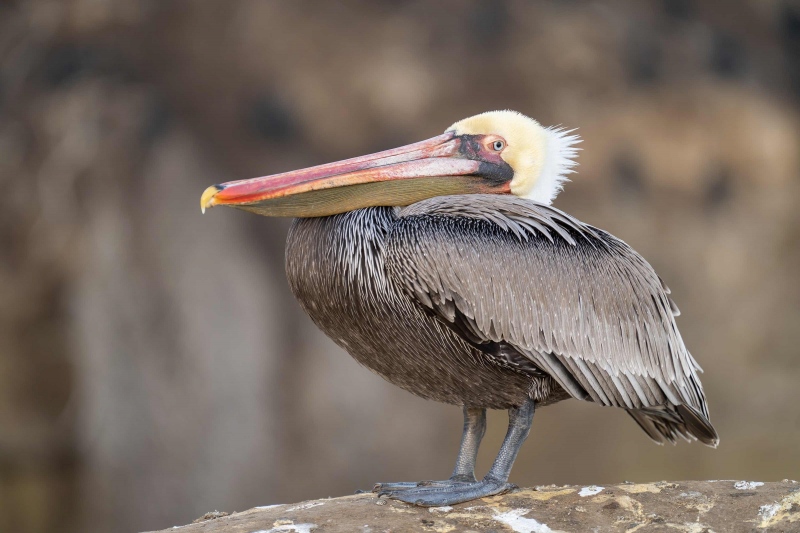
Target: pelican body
{"points": [[442, 267]]}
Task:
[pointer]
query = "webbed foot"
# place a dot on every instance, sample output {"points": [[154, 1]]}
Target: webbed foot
{"points": [[408, 485], [455, 492]]}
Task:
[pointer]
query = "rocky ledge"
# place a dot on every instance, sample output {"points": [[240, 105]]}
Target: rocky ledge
{"points": [[689, 506]]}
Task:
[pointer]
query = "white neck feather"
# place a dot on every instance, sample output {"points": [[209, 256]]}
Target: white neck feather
{"points": [[560, 151]]}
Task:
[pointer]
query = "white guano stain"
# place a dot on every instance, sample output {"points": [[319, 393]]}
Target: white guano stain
{"points": [[262, 507], [297, 528], [515, 520], [304, 506], [443, 509], [767, 512], [747, 485], [783, 510], [590, 491]]}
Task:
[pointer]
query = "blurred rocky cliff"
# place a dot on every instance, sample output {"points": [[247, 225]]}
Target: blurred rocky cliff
{"points": [[153, 364]]}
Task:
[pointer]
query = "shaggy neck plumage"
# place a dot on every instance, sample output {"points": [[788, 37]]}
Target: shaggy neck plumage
{"points": [[560, 151]]}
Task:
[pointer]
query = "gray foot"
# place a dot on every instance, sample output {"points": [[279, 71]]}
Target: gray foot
{"points": [[458, 492], [407, 485]]}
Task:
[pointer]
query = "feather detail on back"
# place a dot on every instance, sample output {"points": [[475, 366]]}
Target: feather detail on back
{"points": [[579, 303]]}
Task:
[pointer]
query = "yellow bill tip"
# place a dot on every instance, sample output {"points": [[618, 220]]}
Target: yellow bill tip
{"points": [[207, 199]]}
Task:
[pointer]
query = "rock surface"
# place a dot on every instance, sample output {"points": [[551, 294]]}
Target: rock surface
{"points": [[689, 506]]}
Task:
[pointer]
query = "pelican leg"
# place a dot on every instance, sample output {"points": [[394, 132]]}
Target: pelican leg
{"points": [[495, 482], [464, 472]]}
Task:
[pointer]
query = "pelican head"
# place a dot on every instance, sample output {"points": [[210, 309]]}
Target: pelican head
{"points": [[498, 152], [540, 157]]}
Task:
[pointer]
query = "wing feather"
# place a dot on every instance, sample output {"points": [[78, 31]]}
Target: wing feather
{"points": [[579, 303]]}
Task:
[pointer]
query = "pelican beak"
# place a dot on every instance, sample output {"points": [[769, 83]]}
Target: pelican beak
{"points": [[438, 166]]}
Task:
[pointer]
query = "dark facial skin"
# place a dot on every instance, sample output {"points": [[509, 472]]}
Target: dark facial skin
{"points": [[487, 149]]}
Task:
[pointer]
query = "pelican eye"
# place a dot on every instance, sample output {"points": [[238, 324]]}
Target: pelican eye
{"points": [[498, 145]]}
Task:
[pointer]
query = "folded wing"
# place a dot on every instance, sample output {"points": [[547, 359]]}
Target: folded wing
{"points": [[580, 304]]}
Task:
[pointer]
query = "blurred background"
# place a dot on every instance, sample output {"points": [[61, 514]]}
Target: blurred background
{"points": [[153, 363]]}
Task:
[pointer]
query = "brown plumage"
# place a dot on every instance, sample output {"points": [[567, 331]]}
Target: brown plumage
{"points": [[481, 300], [441, 266]]}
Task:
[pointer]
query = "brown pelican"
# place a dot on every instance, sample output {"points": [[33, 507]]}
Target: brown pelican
{"points": [[442, 267]]}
